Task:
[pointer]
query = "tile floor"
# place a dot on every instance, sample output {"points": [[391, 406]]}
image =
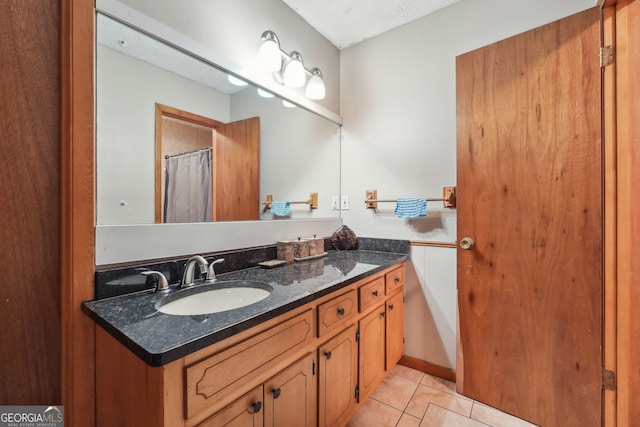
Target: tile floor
{"points": [[410, 398]]}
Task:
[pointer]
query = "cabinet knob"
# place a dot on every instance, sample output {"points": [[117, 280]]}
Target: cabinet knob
{"points": [[390, 306], [327, 354], [341, 311], [397, 278], [276, 393], [375, 293], [466, 243], [256, 407], [382, 314]]}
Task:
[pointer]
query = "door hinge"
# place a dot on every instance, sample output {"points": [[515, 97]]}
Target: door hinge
{"points": [[607, 56], [357, 393], [357, 335], [608, 379]]}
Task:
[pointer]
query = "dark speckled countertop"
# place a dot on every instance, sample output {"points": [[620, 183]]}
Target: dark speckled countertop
{"points": [[159, 338]]}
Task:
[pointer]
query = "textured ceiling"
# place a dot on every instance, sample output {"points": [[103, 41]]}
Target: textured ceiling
{"points": [[347, 22]]}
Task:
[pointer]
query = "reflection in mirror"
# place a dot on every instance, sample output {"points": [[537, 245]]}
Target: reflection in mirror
{"points": [[299, 152], [206, 170]]}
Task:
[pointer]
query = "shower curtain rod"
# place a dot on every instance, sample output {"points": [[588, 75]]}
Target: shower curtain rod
{"points": [[187, 152]]}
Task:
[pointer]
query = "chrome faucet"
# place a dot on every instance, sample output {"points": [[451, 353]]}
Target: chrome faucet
{"points": [[188, 276], [211, 274], [162, 284]]}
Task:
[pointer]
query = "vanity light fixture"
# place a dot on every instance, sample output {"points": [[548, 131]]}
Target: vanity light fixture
{"points": [[289, 69], [288, 104]]}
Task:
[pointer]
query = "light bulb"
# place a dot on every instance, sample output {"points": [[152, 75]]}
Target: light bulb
{"points": [[263, 93], [236, 81], [293, 74], [315, 87], [269, 52]]}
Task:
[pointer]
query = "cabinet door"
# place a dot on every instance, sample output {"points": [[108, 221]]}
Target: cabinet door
{"points": [[244, 412], [338, 376], [290, 396], [372, 349], [395, 329]]}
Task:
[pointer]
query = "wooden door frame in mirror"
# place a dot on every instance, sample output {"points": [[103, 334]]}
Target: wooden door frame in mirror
{"points": [[167, 111]]}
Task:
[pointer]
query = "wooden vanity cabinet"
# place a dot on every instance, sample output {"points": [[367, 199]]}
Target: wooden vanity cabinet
{"points": [[306, 367]]}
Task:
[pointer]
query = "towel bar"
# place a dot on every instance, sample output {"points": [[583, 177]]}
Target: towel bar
{"points": [[448, 198], [312, 202]]}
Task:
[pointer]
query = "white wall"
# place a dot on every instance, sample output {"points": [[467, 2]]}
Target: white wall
{"points": [[399, 137]]}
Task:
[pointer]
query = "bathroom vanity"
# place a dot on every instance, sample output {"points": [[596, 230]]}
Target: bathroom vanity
{"points": [[306, 355]]}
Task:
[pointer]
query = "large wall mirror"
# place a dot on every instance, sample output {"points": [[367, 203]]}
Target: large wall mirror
{"points": [[298, 151]]}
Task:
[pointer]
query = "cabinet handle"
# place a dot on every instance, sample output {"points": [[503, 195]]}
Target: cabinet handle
{"points": [[390, 306], [327, 354], [341, 311], [256, 407], [276, 393], [375, 293], [382, 314], [397, 278]]}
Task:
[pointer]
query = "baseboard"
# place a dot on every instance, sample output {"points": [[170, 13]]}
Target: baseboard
{"points": [[428, 368]]}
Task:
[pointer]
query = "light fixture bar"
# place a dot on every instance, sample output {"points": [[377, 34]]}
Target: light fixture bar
{"points": [[286, 67]]}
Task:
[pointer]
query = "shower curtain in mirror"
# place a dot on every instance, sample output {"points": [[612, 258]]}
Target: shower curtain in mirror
{"points": [[188, 187]]}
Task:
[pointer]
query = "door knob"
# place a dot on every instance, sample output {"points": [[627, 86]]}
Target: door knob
{"points": [[467, 243]]}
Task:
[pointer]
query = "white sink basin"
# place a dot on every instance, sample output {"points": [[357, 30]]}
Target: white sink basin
{"points": [[213, 299]]}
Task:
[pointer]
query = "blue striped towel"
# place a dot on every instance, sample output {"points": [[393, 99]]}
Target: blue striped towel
{"points": [[411, 208], [280, 208]]}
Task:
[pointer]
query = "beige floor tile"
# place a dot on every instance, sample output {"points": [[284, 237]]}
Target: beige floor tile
{"points": [[408, 421], [395, 391], [407, 373], [425, 395], [375, 414], [437, 416], [439, 383], [496, 418]]}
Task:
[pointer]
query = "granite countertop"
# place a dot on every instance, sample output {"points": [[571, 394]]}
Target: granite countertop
{"points": [[159, 338]]}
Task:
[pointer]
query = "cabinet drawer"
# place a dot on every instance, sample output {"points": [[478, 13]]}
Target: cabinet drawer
{"points": [[217, 380], [394, 279], [371, 293], [334, 312]]}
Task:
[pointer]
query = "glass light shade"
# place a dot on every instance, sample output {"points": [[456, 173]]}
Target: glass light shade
{"points": [[288, 104], [315, 87], [236, 81], [269, 56], [263, 93], [293, 74]]}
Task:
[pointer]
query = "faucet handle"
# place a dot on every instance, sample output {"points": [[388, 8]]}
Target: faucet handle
{"points": [[162, 284], [211, 273]]}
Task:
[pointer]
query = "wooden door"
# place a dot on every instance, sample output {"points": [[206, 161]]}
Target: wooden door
{"points": [[529, 195], [337, 377], [371, 351], [290, 397], [395, 330], [237, 172]]}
